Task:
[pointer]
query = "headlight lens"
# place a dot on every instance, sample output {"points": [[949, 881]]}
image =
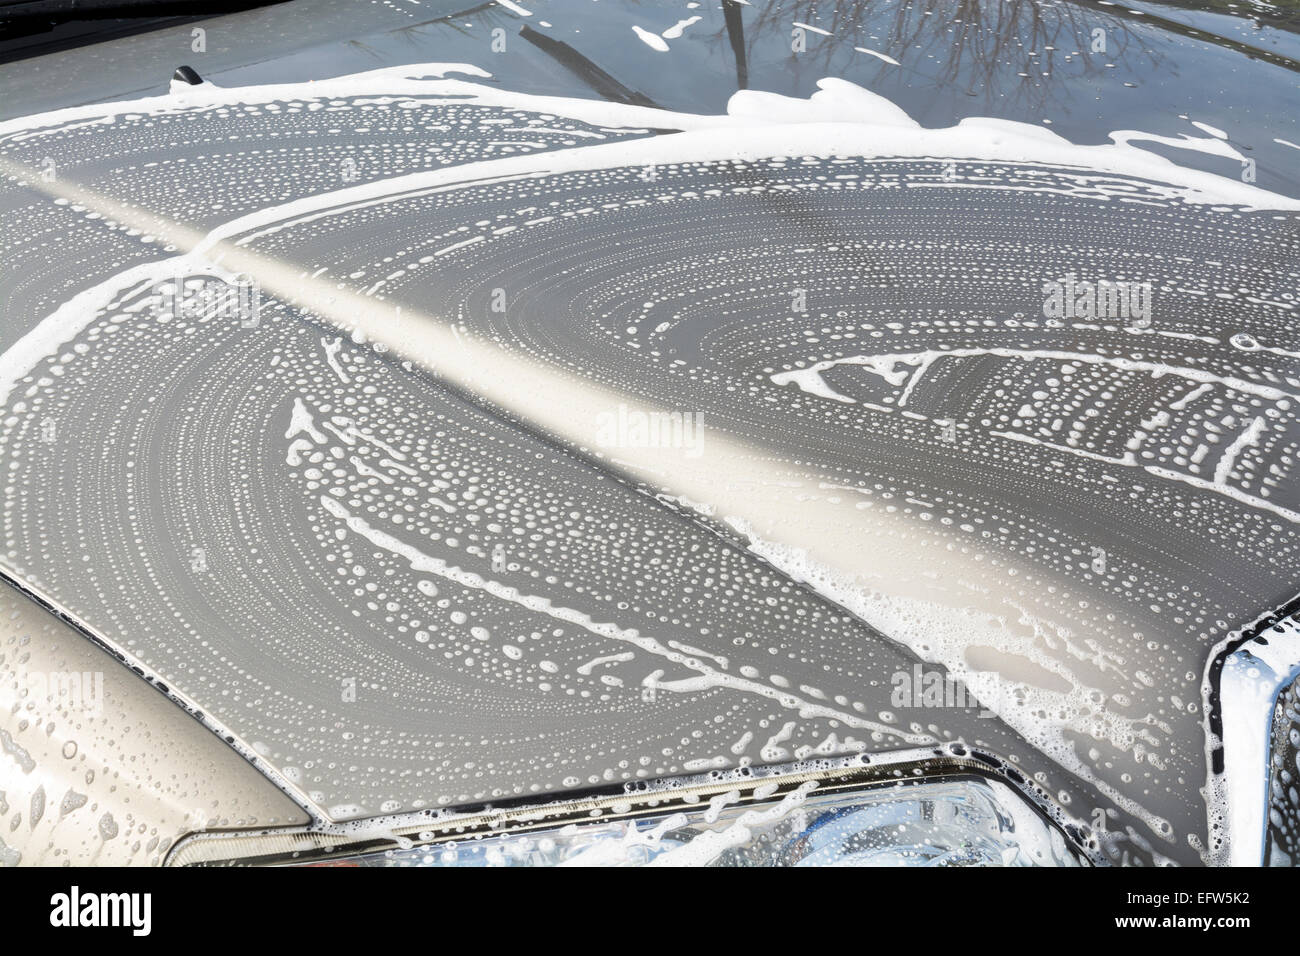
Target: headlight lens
{"points": [[964, 821]]}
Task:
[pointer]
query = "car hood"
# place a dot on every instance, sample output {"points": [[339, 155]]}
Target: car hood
{"points": [[451, 432]]}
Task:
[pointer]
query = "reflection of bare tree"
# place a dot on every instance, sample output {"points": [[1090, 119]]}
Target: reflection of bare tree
{"points": [[736, 34], [973, 44], [1280, 15], [984, 40]]}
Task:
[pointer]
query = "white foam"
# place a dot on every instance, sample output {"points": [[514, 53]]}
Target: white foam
{"points": [[653, 40], [877, 54]]}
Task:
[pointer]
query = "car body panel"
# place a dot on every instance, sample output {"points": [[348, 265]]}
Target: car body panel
{"points": [[408, 534]]}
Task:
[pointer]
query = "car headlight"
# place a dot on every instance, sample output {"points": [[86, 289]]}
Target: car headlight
{"points": [[965, 822], [847, 814]]}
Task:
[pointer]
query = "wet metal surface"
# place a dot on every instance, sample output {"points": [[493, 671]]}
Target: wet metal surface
{"points": [[758, 441]]}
